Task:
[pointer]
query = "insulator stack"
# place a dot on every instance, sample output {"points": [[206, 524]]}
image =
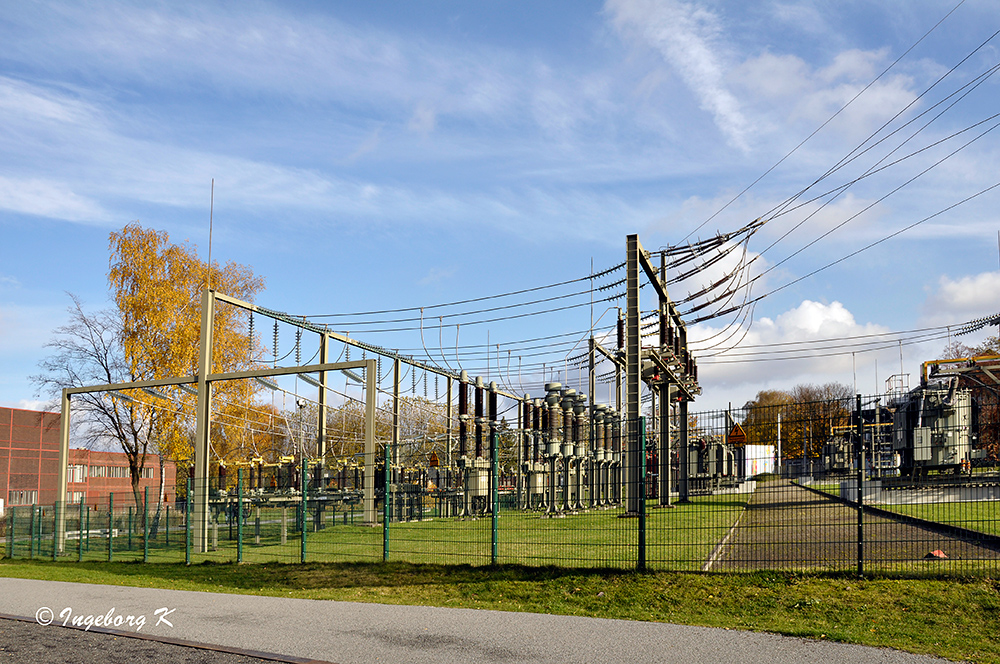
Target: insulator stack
{"points": [[567, 402], [555, 417], [537, 425], [599, 427], [479, 417], [493, 415], [525, 427], [580, 425], [463, 414]]}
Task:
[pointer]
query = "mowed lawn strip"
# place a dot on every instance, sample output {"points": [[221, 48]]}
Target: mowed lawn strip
{"points": [[682, 538]]}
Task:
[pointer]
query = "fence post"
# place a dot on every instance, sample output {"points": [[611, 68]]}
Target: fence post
{"points": [[166, 529], [305, 491], [145, 525], [10, 533], [111, 525], [861, 506], [187, 523], [79, 541], [55, 529], [130, 524], [239, 515], [641, 564], [31, 534], [495, 484], [386, 503]]}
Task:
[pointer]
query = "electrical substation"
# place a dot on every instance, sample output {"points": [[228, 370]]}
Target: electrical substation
{"points": [[572, 453], [398, 455]]}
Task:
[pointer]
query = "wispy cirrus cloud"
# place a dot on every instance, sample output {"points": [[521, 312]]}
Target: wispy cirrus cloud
{"points": [[689, 38], [48, 198]]}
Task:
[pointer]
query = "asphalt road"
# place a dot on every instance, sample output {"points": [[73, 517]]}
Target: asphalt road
{"points": [[346, 633]]}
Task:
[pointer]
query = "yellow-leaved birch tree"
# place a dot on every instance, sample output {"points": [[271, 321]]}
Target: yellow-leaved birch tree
{"points": [[156, 287]]}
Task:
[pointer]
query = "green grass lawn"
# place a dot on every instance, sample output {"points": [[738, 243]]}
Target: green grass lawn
{"points": [[951, 617], [679, 538], [982, 515]]}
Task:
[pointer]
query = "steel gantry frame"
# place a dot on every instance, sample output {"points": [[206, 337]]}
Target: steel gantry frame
{"points": [[204, 379]]}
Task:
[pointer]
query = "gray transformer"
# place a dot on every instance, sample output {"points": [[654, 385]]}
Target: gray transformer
{"points": [[838, 455], [711, 465], [932, 429]]}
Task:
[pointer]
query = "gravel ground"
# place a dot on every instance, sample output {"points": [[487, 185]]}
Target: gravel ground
{"points": [[24, 642]]}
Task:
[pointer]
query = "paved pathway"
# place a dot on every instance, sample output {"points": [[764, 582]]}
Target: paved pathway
{"points": [[788, 526], [345, 632]]}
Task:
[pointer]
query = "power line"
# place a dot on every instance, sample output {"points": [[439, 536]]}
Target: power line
{"points": [[825, 123], [475, 299]]}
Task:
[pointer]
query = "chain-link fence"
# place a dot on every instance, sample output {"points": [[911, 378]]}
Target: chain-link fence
{"points": [[766, 486]]}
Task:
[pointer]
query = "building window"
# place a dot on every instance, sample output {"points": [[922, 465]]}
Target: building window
{"points": [[22, 498], [76, 497], [118, 472], [77, 473]]}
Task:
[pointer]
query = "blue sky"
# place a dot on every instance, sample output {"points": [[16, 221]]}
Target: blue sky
{"points": [[385, 155]]}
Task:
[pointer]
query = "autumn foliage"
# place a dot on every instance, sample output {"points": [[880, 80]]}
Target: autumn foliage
{"points": [[156, 287]]}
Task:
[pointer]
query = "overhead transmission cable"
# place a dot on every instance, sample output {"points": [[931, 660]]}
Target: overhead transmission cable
{"points": [[475, 299], [826, 122]]}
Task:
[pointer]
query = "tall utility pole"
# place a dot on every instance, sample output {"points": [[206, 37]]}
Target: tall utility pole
{"points": [[669, 369], [633, 380]]}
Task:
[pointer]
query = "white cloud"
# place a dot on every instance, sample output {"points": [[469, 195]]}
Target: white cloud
{"points": [[37, 405], [962, 299], [424, 119], [47, 198], [436, 275], [772, 355], [369, 144], [690, 40], [788, 92], [260, 48], [19, 99], [801, 16]]}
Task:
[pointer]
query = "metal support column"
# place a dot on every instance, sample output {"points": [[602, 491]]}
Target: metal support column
{"points": [[683, 490], [633, 454], [60, 533], [324, 357], [371, 378], [664, 450], [860, 433], [204, 418], [591, 438]]}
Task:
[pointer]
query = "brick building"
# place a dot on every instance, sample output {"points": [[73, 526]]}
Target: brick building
{"points": [[29, 466]]}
